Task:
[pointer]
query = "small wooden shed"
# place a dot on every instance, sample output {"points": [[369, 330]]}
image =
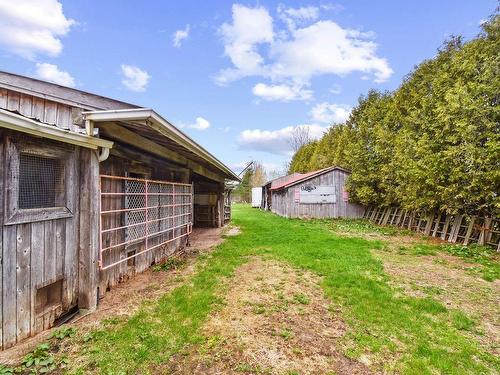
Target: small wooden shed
{"points": [[92, 191], [317, 194]]}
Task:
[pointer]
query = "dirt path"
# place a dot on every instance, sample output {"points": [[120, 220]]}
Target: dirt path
{"points": [[275, 320]]}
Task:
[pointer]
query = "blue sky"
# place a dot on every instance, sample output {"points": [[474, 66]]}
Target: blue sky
{"points": [[240, 76]]}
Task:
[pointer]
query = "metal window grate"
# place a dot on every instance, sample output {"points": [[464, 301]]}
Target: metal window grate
{"points": [[139, 213], [41, 181]]}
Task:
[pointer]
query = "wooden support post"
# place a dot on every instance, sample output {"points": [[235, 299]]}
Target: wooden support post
{"points": [[436, 226], [485, 234], [381, 218], [385, 218], [446, 226], [88, 273], [428, 225], [410, 221], [455, 228], [402, 218], [220, 205], [469, 230]]}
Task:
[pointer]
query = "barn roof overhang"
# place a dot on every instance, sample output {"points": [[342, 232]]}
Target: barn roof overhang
{"points": [[158, 136], [14, 121]]}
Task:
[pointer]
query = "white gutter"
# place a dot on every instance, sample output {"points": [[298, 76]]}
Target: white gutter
{"points": [[161, 125], [14, 121]]}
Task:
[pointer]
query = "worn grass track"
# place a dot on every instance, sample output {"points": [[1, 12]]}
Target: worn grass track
{"points": [[396, 333]]}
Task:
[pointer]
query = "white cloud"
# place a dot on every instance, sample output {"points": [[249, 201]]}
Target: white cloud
{"points": [[200, 124], [275, 141], [30, 27], [282, 92], [330, 113], [134, 78], [309, 47], [327, 48], [250, 27], [51, 73], [179, 36], [294, 16]]}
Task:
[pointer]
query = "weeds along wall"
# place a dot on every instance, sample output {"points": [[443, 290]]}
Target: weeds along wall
{"points": [[432, 145], [452, 228]]}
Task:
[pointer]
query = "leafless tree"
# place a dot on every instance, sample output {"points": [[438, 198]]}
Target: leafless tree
{"points": [[299, 137]]}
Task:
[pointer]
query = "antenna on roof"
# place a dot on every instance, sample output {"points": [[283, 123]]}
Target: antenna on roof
{"points": [[244, 169]]}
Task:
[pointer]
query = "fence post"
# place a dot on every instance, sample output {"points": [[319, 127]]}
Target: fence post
{"points": [[428, 225], [455, 228], [485, 231], [436, 226], [469, 230]]}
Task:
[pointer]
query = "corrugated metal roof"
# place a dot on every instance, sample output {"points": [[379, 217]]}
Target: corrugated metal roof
{"points": [[296, 178]]}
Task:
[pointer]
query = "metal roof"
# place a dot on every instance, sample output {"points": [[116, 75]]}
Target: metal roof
{"points": [[297, 178]]}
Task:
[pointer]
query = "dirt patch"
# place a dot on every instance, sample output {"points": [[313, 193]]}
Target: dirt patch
{"points": [[275, 320], [126, 298], [446, 278]]}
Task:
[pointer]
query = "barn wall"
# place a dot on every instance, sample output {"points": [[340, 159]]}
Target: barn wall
{"points": [[35, 252], [283, 201]]}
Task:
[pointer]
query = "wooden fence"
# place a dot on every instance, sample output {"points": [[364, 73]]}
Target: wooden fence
{"points": [[452, 228]]}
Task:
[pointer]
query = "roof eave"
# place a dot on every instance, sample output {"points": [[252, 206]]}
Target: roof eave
{"points": [[14, 121], [163, 126]]}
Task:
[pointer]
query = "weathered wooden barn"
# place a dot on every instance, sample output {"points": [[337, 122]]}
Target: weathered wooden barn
{"points": [[318, 194], [92, 191]]}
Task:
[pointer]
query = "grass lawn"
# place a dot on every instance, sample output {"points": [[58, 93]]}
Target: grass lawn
{"points": [[398, 332]]}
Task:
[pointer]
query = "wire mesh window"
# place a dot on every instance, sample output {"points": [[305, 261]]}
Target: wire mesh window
{"points": [[41, 181]]}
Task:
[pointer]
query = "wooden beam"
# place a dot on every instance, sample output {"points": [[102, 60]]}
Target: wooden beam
{"points": [[122, 134], [125, 152], [88, 275]]}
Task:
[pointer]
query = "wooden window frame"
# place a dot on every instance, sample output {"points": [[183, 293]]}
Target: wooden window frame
{"points": [[13, 150]]}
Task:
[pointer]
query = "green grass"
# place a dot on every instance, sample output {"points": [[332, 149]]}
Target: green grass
{"points": [[405, 334], [486, 257]]}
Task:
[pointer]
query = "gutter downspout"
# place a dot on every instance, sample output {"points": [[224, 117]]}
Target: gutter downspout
{"points": [[103, 154], [103, 151]]}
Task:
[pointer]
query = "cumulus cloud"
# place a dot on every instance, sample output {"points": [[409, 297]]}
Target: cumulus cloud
{"points": [[179, 36], [281, 92], [200, 124], [327, 48], [330, 113], [134, 78], [275, 141], [31, 27], [249, 28], [51, 73], [308, 47]]}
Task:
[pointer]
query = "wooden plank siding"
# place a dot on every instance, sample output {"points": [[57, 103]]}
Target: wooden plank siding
{"points": [[35, 254], [284, 204], [42, 110]]}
